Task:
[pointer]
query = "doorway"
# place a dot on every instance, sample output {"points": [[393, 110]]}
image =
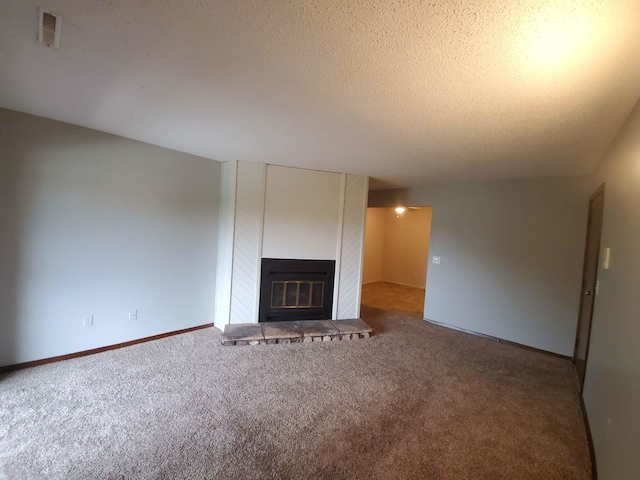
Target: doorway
{"points": [[589, 287], [396, 256]]}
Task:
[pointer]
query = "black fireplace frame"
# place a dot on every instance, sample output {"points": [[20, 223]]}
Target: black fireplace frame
{"points": [[278, 269]]}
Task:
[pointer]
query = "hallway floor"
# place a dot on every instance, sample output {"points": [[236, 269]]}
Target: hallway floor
{"points": [[392, 297]]}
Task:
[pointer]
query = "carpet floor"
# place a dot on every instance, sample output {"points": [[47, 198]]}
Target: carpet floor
{"points": [[414, 401]]}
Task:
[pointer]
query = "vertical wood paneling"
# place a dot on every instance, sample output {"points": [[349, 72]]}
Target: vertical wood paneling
{"points": [[249, 215], [350, 278]]}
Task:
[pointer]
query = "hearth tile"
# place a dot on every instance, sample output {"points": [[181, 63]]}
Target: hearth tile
{"points": [[355, 325], [281, 330], [317, 328], [243, 332]]}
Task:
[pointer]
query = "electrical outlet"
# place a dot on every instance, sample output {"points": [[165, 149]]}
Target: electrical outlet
{"points": [[133, 314], [436, 260], [87, 321]]}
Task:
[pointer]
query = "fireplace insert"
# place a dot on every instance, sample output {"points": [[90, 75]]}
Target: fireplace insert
{"points": [[296, 289]]}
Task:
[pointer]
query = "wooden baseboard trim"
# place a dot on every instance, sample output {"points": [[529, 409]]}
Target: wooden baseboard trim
{"points": [[44, 361], [496, 339]]}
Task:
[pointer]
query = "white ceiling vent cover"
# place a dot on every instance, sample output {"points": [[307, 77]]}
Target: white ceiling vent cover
{"points": [[49, 28]]}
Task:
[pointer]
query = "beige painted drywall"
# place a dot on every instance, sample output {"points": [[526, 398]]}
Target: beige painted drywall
{"points": [[302, 214], [96, 225], [406, 246], [612, 383], [373, 245]]}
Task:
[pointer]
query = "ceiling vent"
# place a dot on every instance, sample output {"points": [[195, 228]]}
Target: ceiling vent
{"points": [[49, 28]]}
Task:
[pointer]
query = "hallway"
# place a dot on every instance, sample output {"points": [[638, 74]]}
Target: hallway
{"points": [[393, 297]]}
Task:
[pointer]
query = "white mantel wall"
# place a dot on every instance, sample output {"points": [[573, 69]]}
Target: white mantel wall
{"points": [[270, 211], [302, 214]]}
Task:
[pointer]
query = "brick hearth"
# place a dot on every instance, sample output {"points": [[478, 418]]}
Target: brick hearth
{"points": [[294, 332]]}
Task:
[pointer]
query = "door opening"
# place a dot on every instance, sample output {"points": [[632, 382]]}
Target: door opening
{"points": [[589, 283], [396, 255]]}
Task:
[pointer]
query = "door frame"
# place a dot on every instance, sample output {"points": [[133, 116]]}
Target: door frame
{"points": [[599, 191]]}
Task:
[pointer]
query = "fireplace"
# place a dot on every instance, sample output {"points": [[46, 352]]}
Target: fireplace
{"points": [[296, 289], [267, 212]]}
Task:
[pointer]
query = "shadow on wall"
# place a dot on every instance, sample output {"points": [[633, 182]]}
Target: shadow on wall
{"points": [[10, 239]]}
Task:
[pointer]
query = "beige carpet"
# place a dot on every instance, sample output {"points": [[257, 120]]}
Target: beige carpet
{"points": [[394, 298], [414, 401]]}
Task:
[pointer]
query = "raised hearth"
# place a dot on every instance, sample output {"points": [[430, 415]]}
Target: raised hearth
{"points": [[295, 332], [296, 289]]}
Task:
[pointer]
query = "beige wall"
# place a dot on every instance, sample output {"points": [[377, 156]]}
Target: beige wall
{"points": [[373, 245], [406, 247], [397, 248]]}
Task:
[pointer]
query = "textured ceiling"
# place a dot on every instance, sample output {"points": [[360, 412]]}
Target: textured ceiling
{"points": [[406, 91]]}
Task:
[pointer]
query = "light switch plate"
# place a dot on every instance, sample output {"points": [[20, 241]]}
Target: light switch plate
{"points": [[436, 260]]}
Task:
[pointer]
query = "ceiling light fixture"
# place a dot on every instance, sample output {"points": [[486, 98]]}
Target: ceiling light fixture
{"points": [[400, 211], [562, 38]]}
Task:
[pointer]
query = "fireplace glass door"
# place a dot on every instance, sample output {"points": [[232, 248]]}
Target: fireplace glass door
{"points": [[296, 289]]}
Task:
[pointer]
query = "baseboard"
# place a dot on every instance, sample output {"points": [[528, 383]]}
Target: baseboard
{"points": [[497, 339], [592, 451], [44, 361]]}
